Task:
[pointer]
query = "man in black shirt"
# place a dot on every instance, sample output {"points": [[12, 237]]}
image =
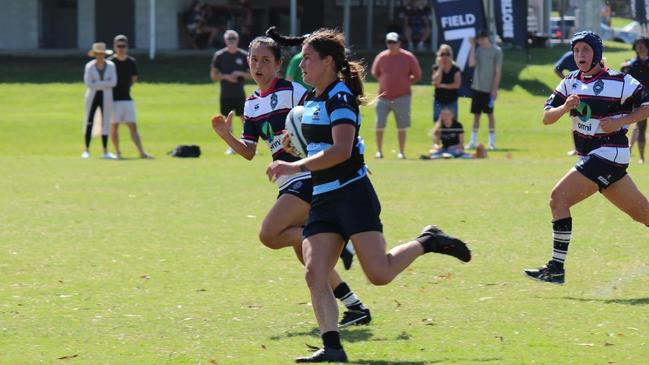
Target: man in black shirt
{"points": [[230, 67], [123, 106]]}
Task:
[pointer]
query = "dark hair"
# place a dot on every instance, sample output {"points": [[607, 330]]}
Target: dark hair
{"points": [[483, 33], [642, 39], [330, 42], [269, 43]]}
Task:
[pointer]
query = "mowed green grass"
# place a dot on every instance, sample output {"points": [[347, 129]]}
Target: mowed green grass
{"points": [[158, 262]]}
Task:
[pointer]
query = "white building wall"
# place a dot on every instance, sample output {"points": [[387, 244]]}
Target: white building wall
{"points": [[85, 23], [20, 24], [166, 23]]}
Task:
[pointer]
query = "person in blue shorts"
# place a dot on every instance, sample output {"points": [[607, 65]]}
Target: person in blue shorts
{"points": [[264, 118], [345, 205], [602, 103]]}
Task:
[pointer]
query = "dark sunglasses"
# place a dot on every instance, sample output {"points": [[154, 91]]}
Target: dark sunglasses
{"points": [[391, 42], [231, 39], [121, 46], [444, 54]]}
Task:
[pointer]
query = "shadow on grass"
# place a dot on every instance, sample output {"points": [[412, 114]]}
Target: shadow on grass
{"points": [[348, 335], [442, 361], [630, 301]]}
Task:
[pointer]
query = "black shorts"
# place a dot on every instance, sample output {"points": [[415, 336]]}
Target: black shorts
{"points": [[229, 104], [352, 209], [601, 171], [303, 189], [481, 103]]}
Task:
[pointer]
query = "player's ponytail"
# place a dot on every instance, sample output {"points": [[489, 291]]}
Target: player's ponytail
{"points": [[353, 75], [285, 40]]}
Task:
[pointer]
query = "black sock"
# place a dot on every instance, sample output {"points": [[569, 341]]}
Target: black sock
{"points": [[348, 298], [561, 233], [104, 141], [331, 339]]}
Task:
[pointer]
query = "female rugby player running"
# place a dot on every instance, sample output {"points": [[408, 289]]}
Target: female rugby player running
{"points": [[264, 117], [344, 203], [601, 105]]}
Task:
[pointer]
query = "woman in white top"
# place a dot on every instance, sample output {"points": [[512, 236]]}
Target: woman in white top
{"points": [[100, 77]]}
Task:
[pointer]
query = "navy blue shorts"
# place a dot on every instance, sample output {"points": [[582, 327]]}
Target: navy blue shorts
{"points": [[601, 171], [303, 189], [352, 209]]}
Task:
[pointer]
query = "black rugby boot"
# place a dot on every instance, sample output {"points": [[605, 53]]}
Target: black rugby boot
{"points": [[435, 240], [324, 355]]}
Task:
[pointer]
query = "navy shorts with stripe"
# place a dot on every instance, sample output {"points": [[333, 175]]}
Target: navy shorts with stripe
{"points": [[352, 209], [602, 172], [303, 189]]}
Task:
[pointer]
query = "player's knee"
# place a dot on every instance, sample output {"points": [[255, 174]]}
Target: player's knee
{"points": [[641, 214], [269, 238], [378, 277], [557, 200], [315, 279]]}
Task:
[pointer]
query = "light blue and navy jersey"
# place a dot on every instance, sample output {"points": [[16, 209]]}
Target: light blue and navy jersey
{"points": [[606, 94], [336, 105]]}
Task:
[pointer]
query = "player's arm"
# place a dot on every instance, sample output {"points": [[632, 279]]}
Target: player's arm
{"points": [[222, 127], [552, 114]]}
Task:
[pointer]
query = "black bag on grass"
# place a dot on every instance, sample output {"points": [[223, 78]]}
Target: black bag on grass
{"points": [[183, 150]]}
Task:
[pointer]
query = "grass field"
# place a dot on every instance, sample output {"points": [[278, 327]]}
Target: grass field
{"points": [[158, 262]]}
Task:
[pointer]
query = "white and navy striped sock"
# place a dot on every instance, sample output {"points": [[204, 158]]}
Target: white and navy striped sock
{"points": [[561, 233], [347, 297]]}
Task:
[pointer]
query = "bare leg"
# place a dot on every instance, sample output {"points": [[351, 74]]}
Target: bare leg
{"points": [[570, 190], [379, 140], [282, 227], [381, 267], [626, 196], [320, 254], [402, 140], [135, 136], [114, 136]]}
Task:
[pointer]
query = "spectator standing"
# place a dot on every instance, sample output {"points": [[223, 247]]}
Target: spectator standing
{"points": [[639, 69], [447, 79], [395, 69], [123, 105], [229, 66], [100, 77], [487, 60], [416, 24], [293, 71]]}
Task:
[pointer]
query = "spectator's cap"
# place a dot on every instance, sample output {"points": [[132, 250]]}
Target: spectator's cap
{"points": [[99, 48], [593, 40], [392, 37], [230, 34], [120, 38], [483, 33]]}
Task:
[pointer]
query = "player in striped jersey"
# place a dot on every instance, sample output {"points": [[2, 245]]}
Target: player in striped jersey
{"points": [[601, 104], [264, 118], [345, 205]]}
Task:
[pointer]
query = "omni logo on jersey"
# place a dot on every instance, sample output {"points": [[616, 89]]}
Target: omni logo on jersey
{"points": [[598, 87], [273, 101], [583, 112], [267, 132]]}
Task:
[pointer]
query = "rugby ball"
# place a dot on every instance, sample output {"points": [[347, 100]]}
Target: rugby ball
{"points": [[294, 128]]}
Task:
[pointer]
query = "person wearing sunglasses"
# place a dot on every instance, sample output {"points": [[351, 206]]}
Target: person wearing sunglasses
{"points": [[229, 66], [447, 78], [123, 105]]}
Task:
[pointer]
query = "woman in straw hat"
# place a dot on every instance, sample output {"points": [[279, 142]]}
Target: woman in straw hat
{"points": [[100, 77]]}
